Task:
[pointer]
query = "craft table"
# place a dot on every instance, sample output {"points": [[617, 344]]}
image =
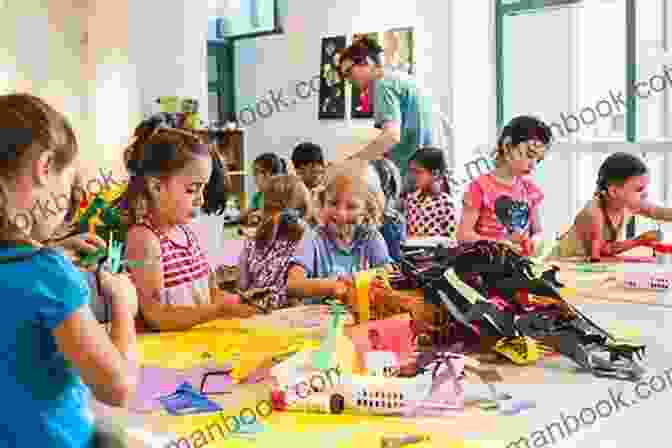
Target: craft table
{"points": [[555, 383], [608, 286]]}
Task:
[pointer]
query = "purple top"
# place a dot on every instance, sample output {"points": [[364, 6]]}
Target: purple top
{"points": [[320, 257]]}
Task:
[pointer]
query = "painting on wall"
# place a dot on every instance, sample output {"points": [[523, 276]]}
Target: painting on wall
{"points": [[332, 86], [398, 54], [398, 45], [362, 99]]}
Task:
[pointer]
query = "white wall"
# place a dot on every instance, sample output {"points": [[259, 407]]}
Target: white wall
{"points": [[40, 53], [276, 62]]}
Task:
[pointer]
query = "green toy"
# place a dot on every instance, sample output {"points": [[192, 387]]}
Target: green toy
{"points": [[323, 359]]}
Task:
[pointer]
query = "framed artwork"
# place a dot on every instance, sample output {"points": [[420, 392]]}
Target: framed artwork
{"points": [[332, 86], [362, 100], [399, 48]]}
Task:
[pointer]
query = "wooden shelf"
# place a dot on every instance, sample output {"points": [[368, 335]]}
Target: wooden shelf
{"points": [[231, 149]]}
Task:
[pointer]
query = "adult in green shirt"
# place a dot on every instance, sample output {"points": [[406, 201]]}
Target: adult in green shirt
{"points": [[403, 111]]}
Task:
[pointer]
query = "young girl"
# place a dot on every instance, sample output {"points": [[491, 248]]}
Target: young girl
{"points": [[622, 182], [504, 204], [52, 346], [265, 259], [347, 241], [430, 210], [169, 169], [265, 166]]}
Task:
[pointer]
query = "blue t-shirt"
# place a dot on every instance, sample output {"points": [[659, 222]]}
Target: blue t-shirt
{"points": [[46, 403]]}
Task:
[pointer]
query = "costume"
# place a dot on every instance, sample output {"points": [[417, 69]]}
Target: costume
{"points": [[484, 294]]}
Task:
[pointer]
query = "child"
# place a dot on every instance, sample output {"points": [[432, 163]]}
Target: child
{"points": [[169, 169], [504, 204], [345, 243], [430, 211], [265, 166], [308, 161], [265, 259], [622, 182], [52, 346]]}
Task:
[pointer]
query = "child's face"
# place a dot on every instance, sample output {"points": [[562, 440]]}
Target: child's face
{"points": [[423, 176], [181, 195], [57, 185], [525, 157], [261, 176], [342, 211], [312, 174], [632, 192]]}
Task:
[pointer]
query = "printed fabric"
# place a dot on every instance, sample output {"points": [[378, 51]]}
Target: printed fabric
{"points": [[498, 202], [265, 266], [430, 215]]}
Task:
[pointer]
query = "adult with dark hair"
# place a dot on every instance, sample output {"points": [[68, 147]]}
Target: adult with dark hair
{"points": [[403, 110]]}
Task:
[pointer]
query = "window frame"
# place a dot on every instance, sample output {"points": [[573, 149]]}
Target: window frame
{"points": [[632, 131]]}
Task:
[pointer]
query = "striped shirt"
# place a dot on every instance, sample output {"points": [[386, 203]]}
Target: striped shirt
{"points": [[484, 191], [186, 270]]}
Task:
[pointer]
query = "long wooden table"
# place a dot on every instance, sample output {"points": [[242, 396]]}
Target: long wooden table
{"points": [[445, 432]]}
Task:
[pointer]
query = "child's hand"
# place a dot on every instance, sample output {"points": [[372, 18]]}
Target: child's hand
{"points": [[88, 243], [236, 310], [523, 242]]}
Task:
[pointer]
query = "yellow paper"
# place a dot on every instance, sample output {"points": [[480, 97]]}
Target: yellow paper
{"points": [[245, 349]]}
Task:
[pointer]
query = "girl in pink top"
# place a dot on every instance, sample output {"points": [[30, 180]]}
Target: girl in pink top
{"points": [[504, 204]]}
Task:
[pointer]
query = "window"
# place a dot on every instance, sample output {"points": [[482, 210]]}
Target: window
{"points": [[602, 85], [221, 105], [251, 17]]}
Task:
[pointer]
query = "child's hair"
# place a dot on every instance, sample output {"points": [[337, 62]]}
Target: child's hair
{"points": [[161, 152], [617, 168], [288, 200], [272, 163], [519, 130], [29, 127], [434, 160], [344, 178], [363, 51], [306, 153]]}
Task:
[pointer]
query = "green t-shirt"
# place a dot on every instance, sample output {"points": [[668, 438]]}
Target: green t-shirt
{"points": [[397, 97], [257, 201]]}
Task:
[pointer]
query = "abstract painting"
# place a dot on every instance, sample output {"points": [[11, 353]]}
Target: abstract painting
{"points": [[332, 86]]}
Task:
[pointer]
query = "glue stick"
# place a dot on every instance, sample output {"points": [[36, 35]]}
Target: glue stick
{"points": [[318, 403]]}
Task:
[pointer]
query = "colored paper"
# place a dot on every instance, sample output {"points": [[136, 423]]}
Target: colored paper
{"points": [[155, 382]]}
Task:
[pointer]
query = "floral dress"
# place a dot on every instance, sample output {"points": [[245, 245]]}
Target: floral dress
{"points": [[265, 265]]}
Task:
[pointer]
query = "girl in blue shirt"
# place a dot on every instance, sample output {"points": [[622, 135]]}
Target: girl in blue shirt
{"points": [[53, 350]]}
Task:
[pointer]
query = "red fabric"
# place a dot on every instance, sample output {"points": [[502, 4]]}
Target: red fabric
{"points": [[181, 263]]}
